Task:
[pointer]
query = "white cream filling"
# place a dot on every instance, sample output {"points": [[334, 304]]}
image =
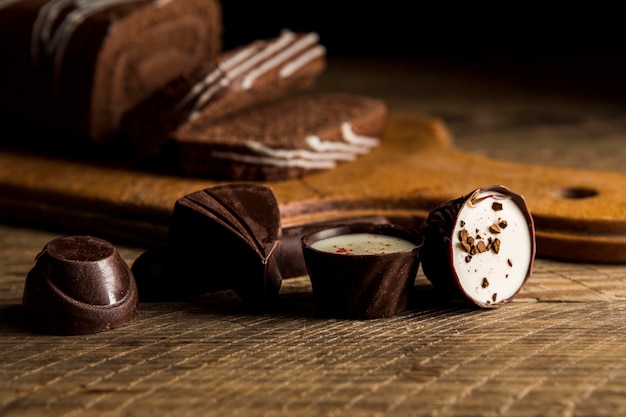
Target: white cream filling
{"points": [[490, 277], [362, 244], [323, 155]]}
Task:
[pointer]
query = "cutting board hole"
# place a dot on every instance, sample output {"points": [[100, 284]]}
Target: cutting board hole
{"points": [[577, 193]]}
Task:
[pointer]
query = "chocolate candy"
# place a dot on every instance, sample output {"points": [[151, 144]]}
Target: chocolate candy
{"points": [[480, 247], [367, 274], [228, 236], [79, 285]]}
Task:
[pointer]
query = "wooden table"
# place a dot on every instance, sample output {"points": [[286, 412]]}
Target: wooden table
{"points": [[556, 350]]}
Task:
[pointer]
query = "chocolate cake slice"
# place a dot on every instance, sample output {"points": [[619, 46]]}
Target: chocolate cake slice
{"points": [[79, 65], [228, 237], [284, 139], [260, 72]]}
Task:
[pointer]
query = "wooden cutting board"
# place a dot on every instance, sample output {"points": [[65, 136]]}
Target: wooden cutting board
{"points": [[580, 215]]}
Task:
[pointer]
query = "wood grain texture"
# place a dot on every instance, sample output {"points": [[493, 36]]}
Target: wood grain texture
{"points": [[556, 350], [579, 214]]}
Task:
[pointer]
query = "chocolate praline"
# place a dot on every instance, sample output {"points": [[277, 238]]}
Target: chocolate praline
{"points": [[228, 237], [480, 247], [79, 285], [362, 285]]}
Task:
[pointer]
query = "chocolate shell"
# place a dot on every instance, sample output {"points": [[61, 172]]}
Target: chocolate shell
{"points": [[481, 247], [228, 236], [79, 285], [362, 285]]}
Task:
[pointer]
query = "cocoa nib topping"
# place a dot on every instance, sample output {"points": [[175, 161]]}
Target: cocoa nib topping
{"points": [[475, 246], [495, 246], [496, 206], [485, 283], [494, 228], [503, 224], [494, 296]]}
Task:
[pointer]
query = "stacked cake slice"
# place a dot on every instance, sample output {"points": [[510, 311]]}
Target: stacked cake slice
{"points": [[154, 74]]}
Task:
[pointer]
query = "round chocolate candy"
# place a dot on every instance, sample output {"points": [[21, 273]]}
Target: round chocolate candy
{"points": [[480, 247], [79, 285], [362, 270]]}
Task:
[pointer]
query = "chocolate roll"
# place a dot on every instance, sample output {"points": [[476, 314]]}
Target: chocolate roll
{"points": [[79, 285], [77, 66], [480, 247], [227, 237]]}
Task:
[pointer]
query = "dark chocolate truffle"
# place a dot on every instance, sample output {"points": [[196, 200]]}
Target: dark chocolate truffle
{"points": [[362, 270], [228, 236], [79, 285], [480, 247]]}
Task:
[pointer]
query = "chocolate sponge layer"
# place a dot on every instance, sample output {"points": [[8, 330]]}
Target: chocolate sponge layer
{"points": [[78, 67]]}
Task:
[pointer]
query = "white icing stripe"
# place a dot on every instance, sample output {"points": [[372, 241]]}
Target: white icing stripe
{"points": [[324, 155], [239, 57], [327, 146], [6, 3], [293, 66], [351, 137], [273, 53], [205, 97], [298, 153], [55, 42], [262, 160], [198, 88], [285, 38], [229, 69], [199, 91], [295, 48]]}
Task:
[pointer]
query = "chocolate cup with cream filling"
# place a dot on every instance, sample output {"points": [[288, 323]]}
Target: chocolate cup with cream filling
{"points": [[228, 237], [480, 247], [362, 284], [79, 285]]}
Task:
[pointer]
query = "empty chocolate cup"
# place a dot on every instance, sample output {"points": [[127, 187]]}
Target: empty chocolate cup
{"points": [[79, 285], [362, 270]]}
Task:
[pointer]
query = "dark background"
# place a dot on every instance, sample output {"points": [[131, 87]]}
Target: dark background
{"points": [[428, 31], [574, 46]]}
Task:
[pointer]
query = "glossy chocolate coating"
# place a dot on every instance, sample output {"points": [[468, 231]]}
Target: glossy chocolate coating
{"points": [[228, 237], [362, 286], [79, 285], [437, 253]]}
